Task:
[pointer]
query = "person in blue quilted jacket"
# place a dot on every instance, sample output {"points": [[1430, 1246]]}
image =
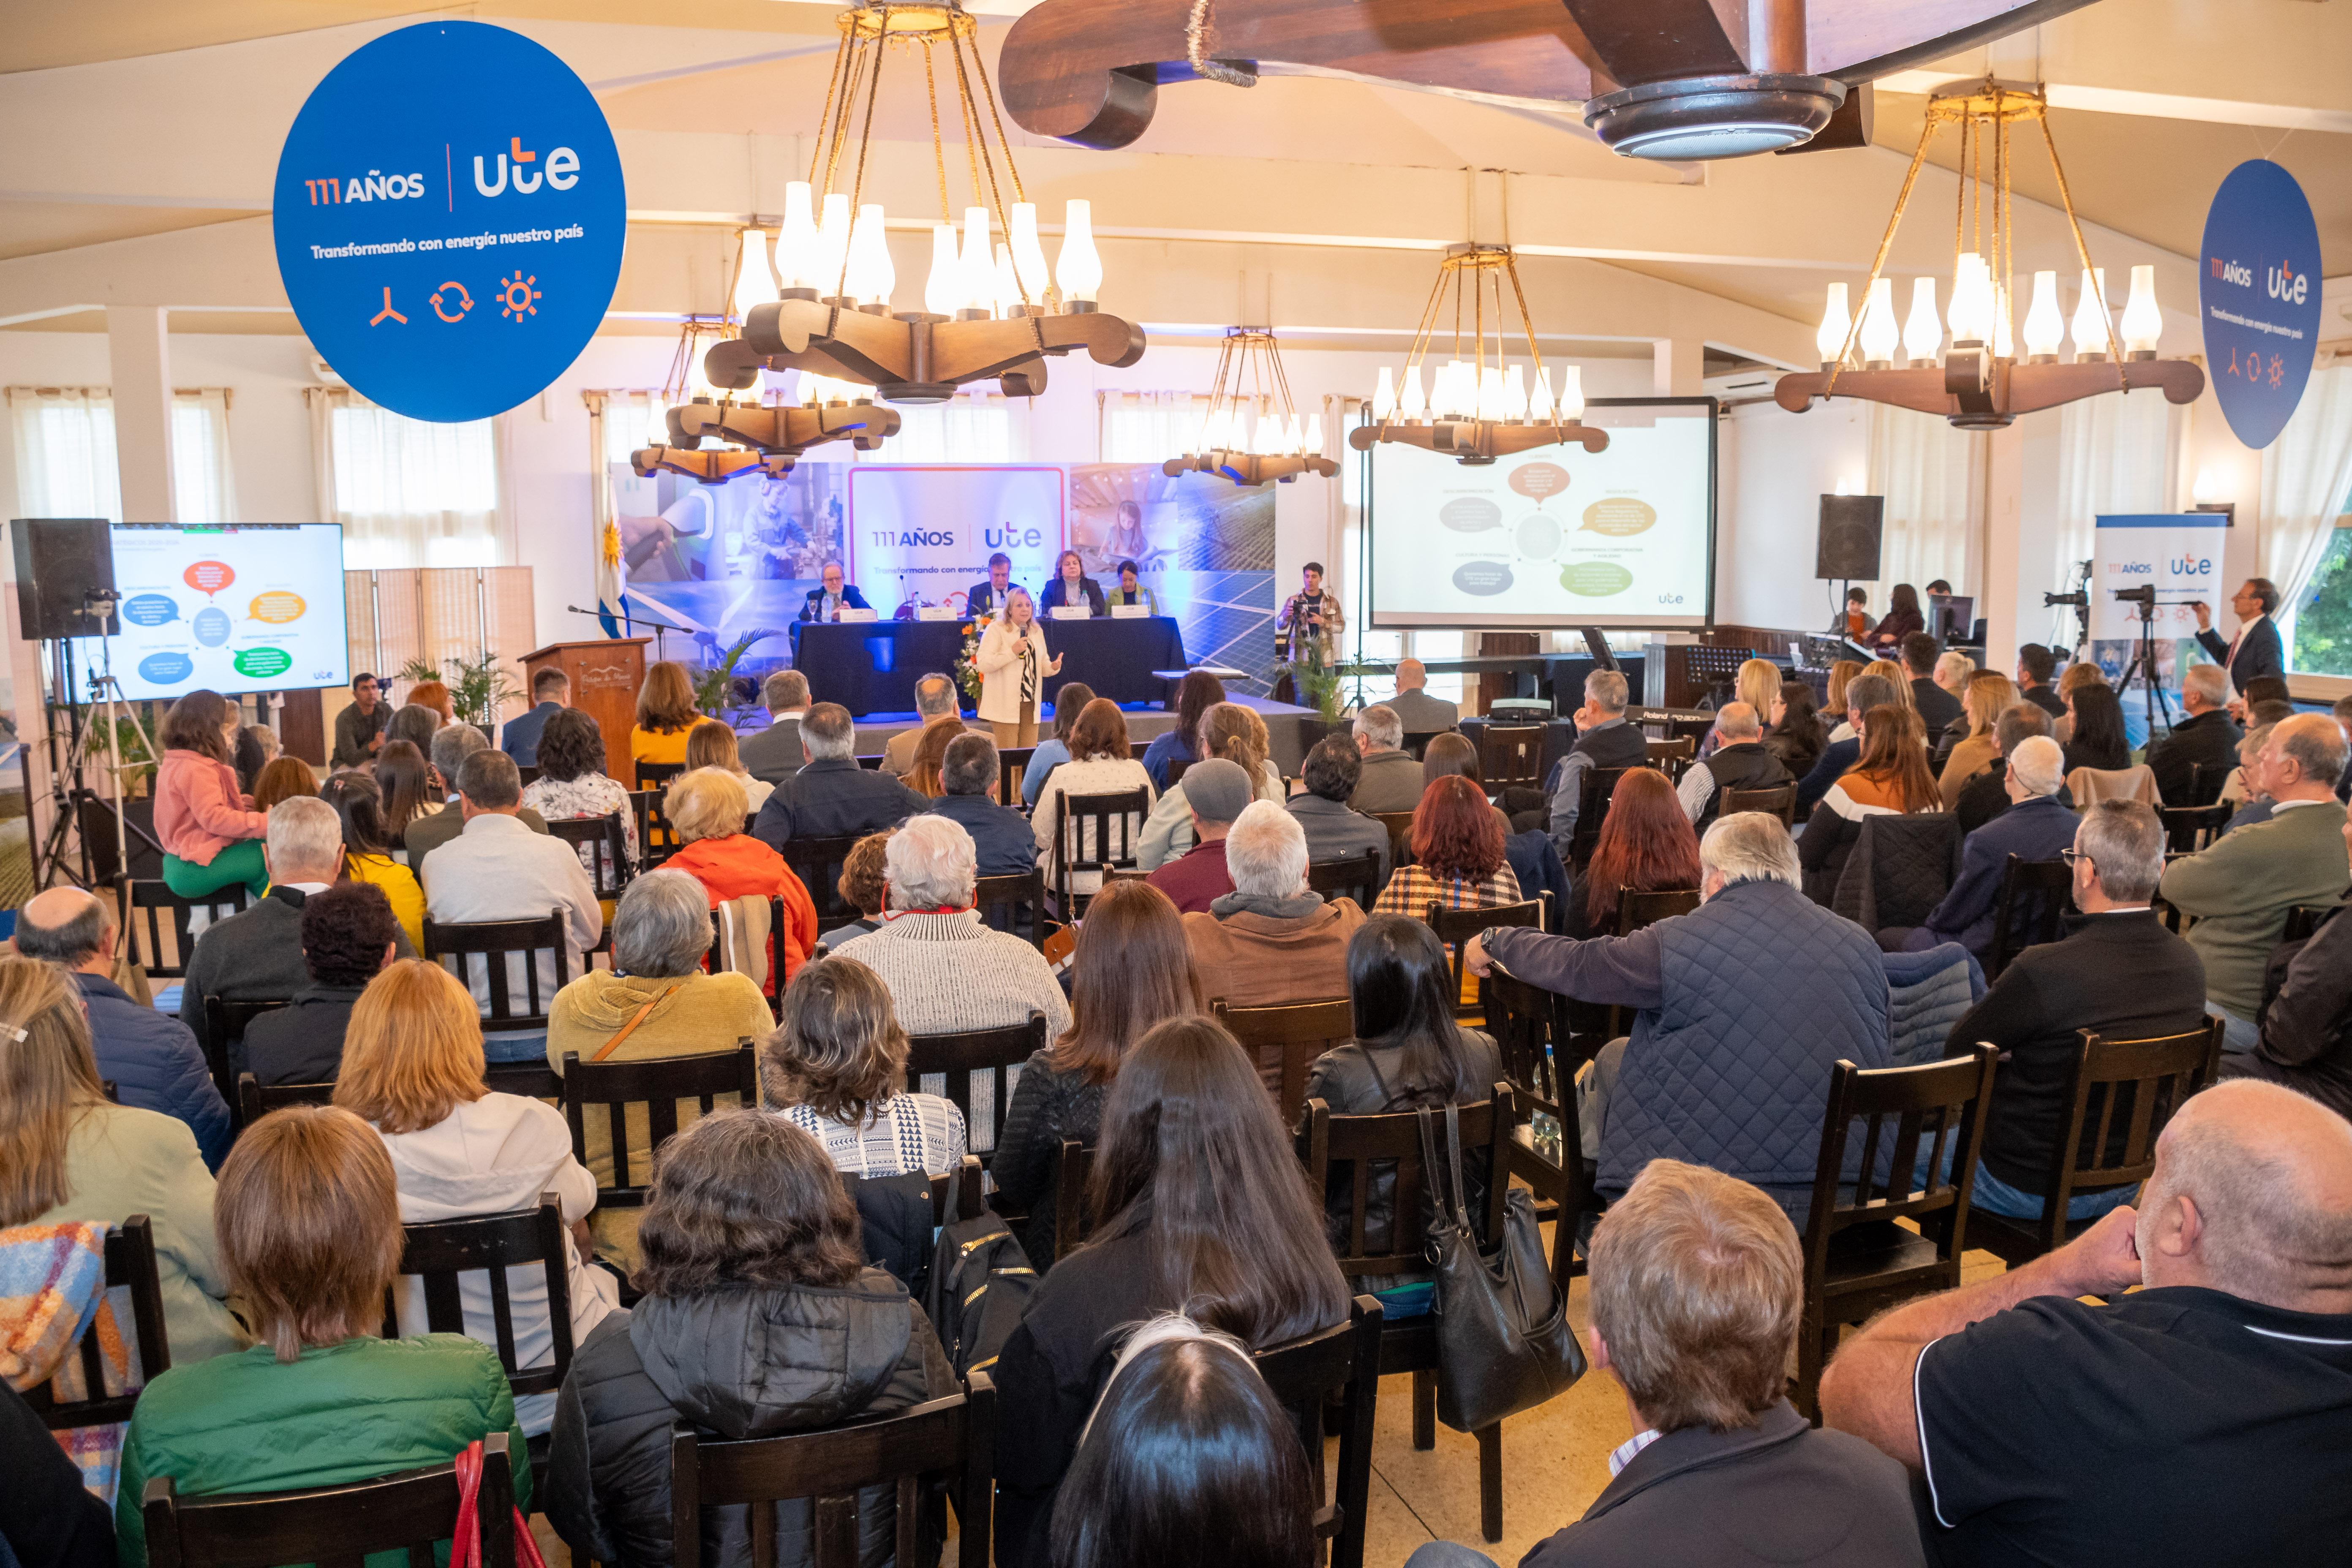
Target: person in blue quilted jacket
{"points": [[1743, 1006], [152, 1060]]}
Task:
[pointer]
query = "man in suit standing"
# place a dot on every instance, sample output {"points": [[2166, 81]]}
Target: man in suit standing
{"points": [[2255, 650], [550, 689], [774, 754], [2209, 735], [826, 603], [1422, 713], [987, 599], [1937, 707]]}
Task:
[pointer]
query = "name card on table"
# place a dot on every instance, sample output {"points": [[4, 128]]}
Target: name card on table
{"points": [[1130, 612], [1071, 613], [934, 612], [860, 617]]}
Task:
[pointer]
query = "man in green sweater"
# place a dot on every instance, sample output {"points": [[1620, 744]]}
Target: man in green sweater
{"points": [[2238, 890]]}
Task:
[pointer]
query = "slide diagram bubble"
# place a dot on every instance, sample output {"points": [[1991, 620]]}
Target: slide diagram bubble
{"points": [[208, 576], [1484, 578], [279, 606], [262, 663], [211, 626], [166, 669], [1537, 480], [1619, 516], [1595, 579], [1538, 536], [1470, 514], [150, 609]]}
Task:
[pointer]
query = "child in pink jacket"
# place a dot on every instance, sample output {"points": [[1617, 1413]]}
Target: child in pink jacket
{"points": [[211, 834]]}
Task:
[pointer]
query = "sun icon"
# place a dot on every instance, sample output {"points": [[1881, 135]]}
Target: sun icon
{"points": [[517, 298]]}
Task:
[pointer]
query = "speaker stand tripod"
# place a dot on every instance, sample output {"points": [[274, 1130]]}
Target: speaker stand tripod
{"points": [[110, 710]]}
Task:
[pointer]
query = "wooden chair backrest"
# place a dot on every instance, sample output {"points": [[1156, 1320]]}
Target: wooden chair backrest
{"points": [[333, 1527], [817, 863], [1358, 1141], [1356, 876], [1780, 802], [1284, 1040], [150, 909], [1901, 1111], [2035, 897], [495, 941], [966, 1052], [131, 1263], [607, 847], [438, 1252], [657, 1083]]}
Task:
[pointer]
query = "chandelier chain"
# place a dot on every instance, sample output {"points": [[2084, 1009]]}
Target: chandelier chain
{"points": [[939, 149], [825, 121], [2075, 227], [1887, 243], [1198, 28]]}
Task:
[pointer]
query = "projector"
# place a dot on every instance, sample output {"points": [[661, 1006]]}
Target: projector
{"points": [[1518, 710]]}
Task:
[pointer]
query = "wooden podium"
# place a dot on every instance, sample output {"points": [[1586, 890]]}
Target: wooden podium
{"points": [[604, 676]]}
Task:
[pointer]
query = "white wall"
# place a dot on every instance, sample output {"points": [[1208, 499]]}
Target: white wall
{"points": [[1773, 467]]}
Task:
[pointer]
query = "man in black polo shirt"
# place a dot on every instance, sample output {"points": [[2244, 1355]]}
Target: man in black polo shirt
{"points": [[2035, 666], [2205, 1420], [1603, 740]]}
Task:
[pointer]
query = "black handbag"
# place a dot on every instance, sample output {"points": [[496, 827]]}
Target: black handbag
{"points": [[1503, 1343]]}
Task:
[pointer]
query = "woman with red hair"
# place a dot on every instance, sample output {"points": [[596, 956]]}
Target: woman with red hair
{"points": [[1646, 844], [1458, 861]]}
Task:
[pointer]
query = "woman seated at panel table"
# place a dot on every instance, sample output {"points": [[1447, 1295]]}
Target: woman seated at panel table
{"points": [[1071, 587], [1131, 591]]}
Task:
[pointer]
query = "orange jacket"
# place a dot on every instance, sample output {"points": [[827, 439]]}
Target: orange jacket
{"points": [[739, 865]]}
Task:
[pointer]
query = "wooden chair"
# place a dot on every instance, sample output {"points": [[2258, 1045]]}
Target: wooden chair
{"points": [[950, 1440], [1100, 821], [1417, 741], [129, 1263], [1072, 1221], [1399, 826], [1021, 897], [2018, 923], [817, 863], [1541, 1057], [1593, 788], [1858, 1261], [1454, 928], [967, 1052], [2188, 828], [532, 1080], [528, 773], [1636, 910], [1357, 877], [656, 776], [2153, 1078], [1510, 754], [333, 1527], [1411, 1344], [657, 839], [717, 959], [2205, 783], [256, 1100], [1673, 757], [224, 1026], [494, 942], [1176, 766], [2303, 920], [1284, 1040], [1780, 802], [1012, 765], [1343, 1365], [150, 909], [657, 1083], [607, 846]]}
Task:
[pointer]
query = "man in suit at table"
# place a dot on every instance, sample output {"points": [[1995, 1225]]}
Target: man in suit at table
{"points": [[1422, 713], [987, 599], [774, 754], [2255, 650], [826, 603]]}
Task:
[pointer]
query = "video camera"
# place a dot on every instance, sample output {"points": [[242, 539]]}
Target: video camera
{"points": [[2143, 594]]}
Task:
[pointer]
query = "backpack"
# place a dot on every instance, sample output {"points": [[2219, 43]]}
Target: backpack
{"points": [[980, 1285]]}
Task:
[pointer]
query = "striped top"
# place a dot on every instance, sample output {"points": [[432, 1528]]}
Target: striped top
{"points": [[905, 1134]]}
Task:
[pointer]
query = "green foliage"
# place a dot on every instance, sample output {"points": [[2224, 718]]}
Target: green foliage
{"points": [[138, 767], [1316, 682], [2323, 626], [712, 682], [478, 688]]}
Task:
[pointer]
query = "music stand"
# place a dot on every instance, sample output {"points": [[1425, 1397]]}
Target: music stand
{"points": [[1718, 669]]}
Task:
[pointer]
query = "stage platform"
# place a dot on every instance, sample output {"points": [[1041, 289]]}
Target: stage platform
{"points": [[1292, 729]]}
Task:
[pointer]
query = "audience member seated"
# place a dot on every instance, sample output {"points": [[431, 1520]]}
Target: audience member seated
{"points": [[255, 955], [946, 971], [935, 705], [1132, 970], [1237, 735], [1647, 846], [1758, 685], [1986, 697], [503, 871], [836, 1067], [2097, 739], [2238, 890], [2214, 1400], [310, 1228], [1070, 700], [2342, 713], [861, 886], [69, 1154], [1664, 1093], [1891, 670], [2305, 1043], [2262, 689], [759, 1316], [435, 696], [413, 1069], [706, 809], [406, 784], [416, 724], [665, 715], [1986, 796], [1796, 735], [451, 747], [2206, 737], [1698, 1289], [2247, 788], [550, 690], [2082, 673], [367, 850], [1195, 694], [1458, 859], [152, 1060], [1862, 693], [209, 830], [48, 1519], [1833, 700], [281, 778], [1455, 756], [832, 796], [2037, 826], [1740, 762], [253, 749], [1101, 762], [1953, 673], [1204, 1208], [1270, 940], [1902, 619], [1603, 740], [774, 754], [655, 1001], [1213, 793], [931, 756], [1891, 779], [572, 785], [1336, 830], [348, 936], [2035, 665], [1391, 780], [711, 744], [1416, 709]]}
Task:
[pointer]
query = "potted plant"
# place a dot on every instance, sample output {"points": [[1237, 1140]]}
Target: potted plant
{"points": [[715, 684], [478, 689]]}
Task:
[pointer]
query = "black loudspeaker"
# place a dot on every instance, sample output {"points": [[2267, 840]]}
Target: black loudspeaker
{"points": [[59, 559], [1846, 548]]}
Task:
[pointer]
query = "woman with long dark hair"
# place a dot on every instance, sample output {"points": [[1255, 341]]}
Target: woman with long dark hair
{"points": [[1890, 778], [1903, 617], [1204, 1208], [1133, 970], [2099, 740], [407, 785], [1647, 846], [1195, 694], [367, 850], [1796, 735], [210, 832]]}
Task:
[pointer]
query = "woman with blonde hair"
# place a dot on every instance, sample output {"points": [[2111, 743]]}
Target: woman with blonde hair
{"points": [[711, 744], [706, 807], [1013, 666], [413, 1069], [665, 715], [1989, 695], [1230, 730], [1890, 779], [835, 1068], [310, 1226], [67, 1153], [1842, 674]]}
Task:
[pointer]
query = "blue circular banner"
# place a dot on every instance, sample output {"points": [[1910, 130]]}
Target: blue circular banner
{"points": [[449, 218], [2258, 295]]}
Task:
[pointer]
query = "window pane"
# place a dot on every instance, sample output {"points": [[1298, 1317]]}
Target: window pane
{"points": [[2322, 620]]}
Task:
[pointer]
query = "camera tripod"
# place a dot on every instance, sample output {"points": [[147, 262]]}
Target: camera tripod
{"points": [[67, 792], [2143, 664]]}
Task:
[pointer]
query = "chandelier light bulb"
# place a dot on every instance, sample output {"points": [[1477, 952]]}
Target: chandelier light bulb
{"points": [[754, 285], [1879, 333], [2092, 339], [1079, 269], [1572, 393], [1970, 314], [1515, 393], [2142, 323], [871, 275], [1411, 404], [1028, 254], [1836, 321], [2045, 325], [833, 245], [796, 246], [979, 263], [943, 289], [2004, 346], [1923, 333], [1384, 395], [1540, 407], [1311, 443]]}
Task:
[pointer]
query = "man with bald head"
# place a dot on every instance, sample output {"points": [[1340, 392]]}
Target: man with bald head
{"points": [[2205, 1420], [1421, 713], [1739, 763]]}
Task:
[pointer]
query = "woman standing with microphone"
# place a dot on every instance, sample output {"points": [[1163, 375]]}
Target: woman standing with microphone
{"points": [[1013, 670]]}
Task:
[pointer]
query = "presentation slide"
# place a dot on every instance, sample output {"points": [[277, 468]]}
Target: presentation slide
{"points": [[234, 609], [1558, 536]]}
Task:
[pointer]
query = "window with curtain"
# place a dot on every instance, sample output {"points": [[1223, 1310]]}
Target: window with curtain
{"points": [[1149, 426], [407, 492], [2114, 458], [2307, 525], [970, 427], [204, 488], [65, 452], [1932, 477]]}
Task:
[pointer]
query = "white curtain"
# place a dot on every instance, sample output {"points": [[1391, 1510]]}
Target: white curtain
{"points": [[2115, 456], [2307, 474], [1932, 477], [204, 485], [65, 452], [407, 492], [1149, 426], [631, 418], [970, 427]]}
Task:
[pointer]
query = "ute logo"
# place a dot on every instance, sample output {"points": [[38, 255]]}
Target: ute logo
{"points": [[561, 173], [2283, 282]]}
